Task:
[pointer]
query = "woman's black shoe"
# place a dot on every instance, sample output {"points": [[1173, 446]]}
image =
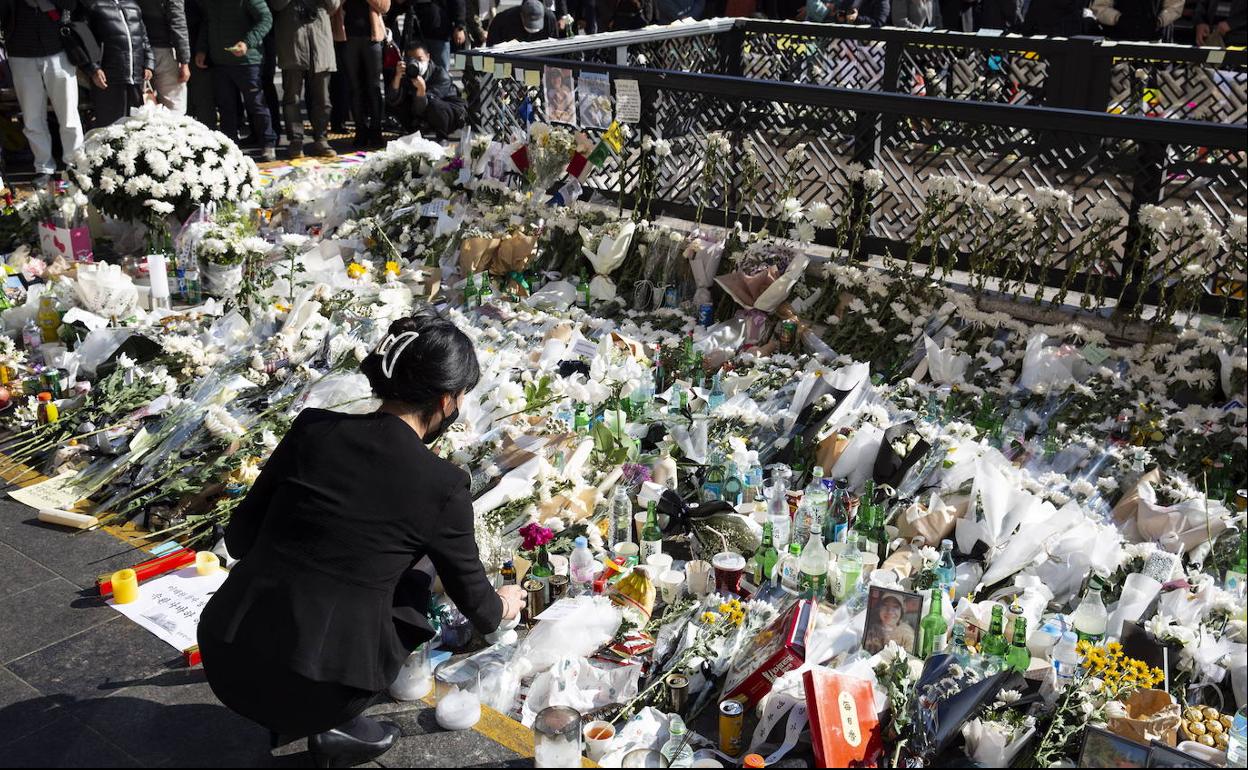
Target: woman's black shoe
{"points": [[336, 748]]}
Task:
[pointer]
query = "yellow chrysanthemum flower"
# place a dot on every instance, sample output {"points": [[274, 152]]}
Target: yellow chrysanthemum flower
{"points": [[356, 270], [392, 268], [710, 618]]}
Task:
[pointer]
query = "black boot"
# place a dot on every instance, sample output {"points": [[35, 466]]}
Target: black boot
{"points": [[341, 747]]}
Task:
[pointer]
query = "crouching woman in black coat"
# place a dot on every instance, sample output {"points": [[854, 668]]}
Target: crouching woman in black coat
{"points": [[423, 98], [324, 607]]}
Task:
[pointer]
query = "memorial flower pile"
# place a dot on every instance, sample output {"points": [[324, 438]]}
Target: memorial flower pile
{"points": [[756, 391]]}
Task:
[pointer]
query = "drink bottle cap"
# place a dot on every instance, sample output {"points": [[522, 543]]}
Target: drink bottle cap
{"points": [[45, 396], [581, 542], [946, 543]]}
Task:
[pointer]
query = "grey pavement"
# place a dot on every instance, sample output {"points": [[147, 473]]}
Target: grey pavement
{"points": [[82, 686]]}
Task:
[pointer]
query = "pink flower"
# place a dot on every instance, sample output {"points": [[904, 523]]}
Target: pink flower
{"points": [[534, 536]]}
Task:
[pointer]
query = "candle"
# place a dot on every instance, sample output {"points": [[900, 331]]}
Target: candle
{"points": [[158, 275], [207, 563], [125, 586], [152, 568], [66, 518]]}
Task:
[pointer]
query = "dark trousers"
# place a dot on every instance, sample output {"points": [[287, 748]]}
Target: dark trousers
{"points": [[293, 82], [115, 102], [363, 64], [231, 81], [268, 77], [423, 113], [200, 102], [339, 90]]}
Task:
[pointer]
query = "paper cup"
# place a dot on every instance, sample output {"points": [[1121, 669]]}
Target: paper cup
{"points": [[671, 585], [628, 550], [660, 561], [598, 738], [639, 523]]}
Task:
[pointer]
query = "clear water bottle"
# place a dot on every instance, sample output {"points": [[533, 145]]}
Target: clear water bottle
{"points": [[621, 517], [581, 569], [1066, 659], [1237, 745]]}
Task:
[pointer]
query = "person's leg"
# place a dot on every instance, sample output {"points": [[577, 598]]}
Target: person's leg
{"points": [[248, 81], [440, 52], [340, 91], [353, 58], [61, 83], [31, 96], [225, 94], [292, 109], [372, 83], [170, 93], [201, 103], [436, 114], [269, 82], [109, 104], [318, 107]]}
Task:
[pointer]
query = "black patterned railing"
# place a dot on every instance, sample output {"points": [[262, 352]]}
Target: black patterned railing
{"points": [[1014, 146]]}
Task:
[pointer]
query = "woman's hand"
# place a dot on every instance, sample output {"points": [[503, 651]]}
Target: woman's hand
{"points": [[100, 79], [513, 601]]}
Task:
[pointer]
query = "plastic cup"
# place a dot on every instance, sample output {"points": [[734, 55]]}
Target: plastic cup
{"points": [[698, 577], [660, 561], [729, 567]]}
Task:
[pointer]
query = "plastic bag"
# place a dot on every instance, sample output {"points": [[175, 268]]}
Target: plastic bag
{"points": [[578, 635]]}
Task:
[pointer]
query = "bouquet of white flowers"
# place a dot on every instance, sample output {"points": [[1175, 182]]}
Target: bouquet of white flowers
{"points": [[156, 162]]}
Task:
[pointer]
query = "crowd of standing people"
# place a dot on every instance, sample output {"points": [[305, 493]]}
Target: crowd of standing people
{"points": [[387, 62]]}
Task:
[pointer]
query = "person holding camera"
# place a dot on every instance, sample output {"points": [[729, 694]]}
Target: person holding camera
{"points": [[120, 77], [41, 60], [422, 97], [305, 53]]}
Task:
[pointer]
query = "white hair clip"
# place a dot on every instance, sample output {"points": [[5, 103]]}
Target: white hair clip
{"points": [[391, 348]]}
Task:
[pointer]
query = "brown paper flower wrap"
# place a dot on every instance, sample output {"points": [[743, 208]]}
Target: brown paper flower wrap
{"points": [[829, 451], [426, 283], [1152, 715], [514, 253], [902, 561], [931, 525], [476, 254]]}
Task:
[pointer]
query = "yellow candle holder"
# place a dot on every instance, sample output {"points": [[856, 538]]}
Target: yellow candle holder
{"points": [[125, 586], [207, 563]]}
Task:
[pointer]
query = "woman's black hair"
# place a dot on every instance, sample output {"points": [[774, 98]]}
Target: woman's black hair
{"points": [[439, 361]]}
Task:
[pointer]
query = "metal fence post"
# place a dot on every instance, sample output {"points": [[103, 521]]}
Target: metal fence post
{"points": [[1145, 190]]}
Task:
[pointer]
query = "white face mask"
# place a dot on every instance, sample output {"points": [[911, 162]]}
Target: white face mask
{"points": [[422, 66]]}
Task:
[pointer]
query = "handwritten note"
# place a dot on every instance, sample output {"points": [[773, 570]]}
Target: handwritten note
{"points": [[627, 101], [56, 492], [170, 605]]}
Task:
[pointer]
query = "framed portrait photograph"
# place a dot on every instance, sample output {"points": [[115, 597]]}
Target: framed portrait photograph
{"points": [[892, 616], [560, 95], [1161, 755], [1101, 748]]}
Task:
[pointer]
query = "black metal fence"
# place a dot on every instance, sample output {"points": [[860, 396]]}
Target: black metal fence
{"points": [[839, 90]]}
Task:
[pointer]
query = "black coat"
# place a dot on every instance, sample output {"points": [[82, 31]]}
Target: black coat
{"points": [[165, 21], [344, 507], [124, 49], [441, 110], [876, 13], [31, 33], [1062, 18], [432, 20], [508, 26], [1001, 14]]}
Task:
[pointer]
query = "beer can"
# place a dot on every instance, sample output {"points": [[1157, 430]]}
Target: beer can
{"points": [[558, 587], [678, 685], [535, 597], [706, 314], [671, 297], [731, 726]]}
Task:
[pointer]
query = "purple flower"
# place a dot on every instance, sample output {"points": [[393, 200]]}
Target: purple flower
{"points": [[635, 474], [534, 535]]}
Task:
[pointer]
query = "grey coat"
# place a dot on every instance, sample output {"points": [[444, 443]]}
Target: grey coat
{"points": [[301, 45], [915, 13]]}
